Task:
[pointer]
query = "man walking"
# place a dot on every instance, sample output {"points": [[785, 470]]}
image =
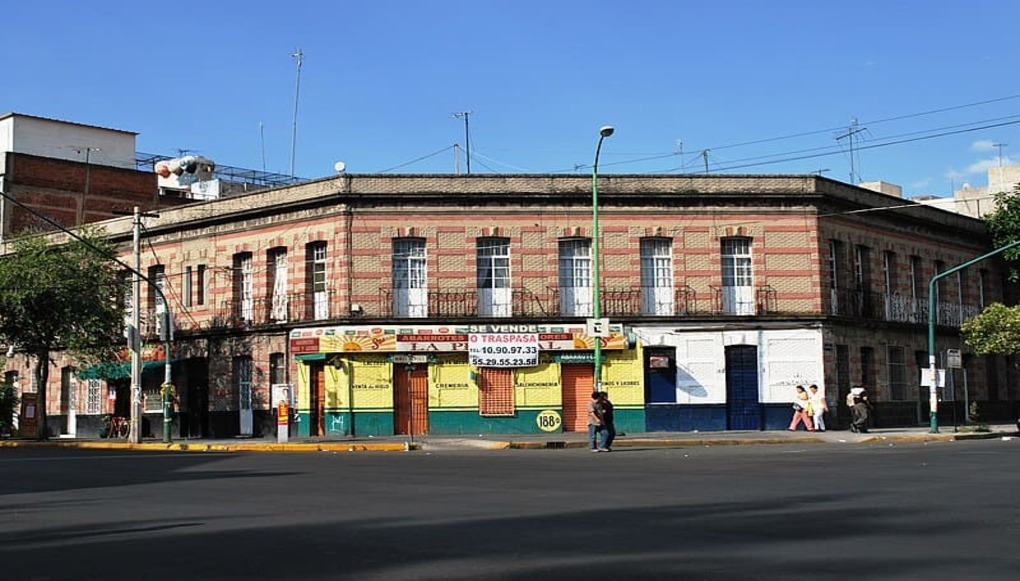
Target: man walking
{"points": [[608, 428], [594, 420]]}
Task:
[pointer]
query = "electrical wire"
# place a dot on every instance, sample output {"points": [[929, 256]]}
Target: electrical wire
{"points": [[413, 161]]}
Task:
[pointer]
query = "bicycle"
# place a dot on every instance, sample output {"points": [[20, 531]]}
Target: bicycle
{"points": [[115, 427]]}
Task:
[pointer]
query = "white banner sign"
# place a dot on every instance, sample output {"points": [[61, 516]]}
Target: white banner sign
{"points": [[503, 349]]}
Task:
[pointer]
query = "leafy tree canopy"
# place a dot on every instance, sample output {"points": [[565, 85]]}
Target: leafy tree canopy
{"points": [[60, 298], [996, 331], [1004, 226]]}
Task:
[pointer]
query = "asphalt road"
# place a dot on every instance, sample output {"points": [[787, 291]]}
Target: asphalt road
{"points": [[941, 510]]}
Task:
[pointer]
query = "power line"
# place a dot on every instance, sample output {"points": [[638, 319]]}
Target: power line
{"points": [[413, 161]]}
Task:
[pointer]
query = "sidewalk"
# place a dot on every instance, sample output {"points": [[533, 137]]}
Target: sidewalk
{"points": [[528, 441]]}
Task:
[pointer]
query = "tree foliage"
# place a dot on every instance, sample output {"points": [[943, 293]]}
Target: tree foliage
{"points": [[1004, 226], [60, 298], [996, 331]]}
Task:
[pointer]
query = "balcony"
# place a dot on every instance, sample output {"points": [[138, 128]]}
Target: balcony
{"points": [[744, 301], [525, 303], [896, 308]]}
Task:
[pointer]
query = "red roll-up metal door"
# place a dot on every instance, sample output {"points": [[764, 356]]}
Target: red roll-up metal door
{"points": [[411, 383], [577, 382]]}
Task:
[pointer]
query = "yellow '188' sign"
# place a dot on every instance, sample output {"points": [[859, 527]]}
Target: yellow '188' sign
{"points": [[549, 420]]}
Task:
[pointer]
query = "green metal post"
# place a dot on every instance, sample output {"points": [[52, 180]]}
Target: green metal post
{"points": [[932, 369], [604, 132]]}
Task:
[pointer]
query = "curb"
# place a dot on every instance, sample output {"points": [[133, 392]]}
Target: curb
{"points": [[465, 444], [231, 447]]}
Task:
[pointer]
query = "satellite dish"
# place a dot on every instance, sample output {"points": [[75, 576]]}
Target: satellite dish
{"points": [[340, 167]]}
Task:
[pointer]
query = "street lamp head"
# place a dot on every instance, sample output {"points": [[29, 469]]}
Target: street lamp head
{"points": [[606, 130]]}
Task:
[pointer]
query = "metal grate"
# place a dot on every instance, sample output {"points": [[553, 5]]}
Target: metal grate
{"points": [[495, 392]]}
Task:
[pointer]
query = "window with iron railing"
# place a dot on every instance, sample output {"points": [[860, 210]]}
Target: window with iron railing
{"points": [[278, 285], [493, 277], [657, 276], [244, 287], [410, 280], [317, 280], [575, 277], [737, 277]]}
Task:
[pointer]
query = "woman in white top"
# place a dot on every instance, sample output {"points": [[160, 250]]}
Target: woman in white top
{"points": [[819, 406]]}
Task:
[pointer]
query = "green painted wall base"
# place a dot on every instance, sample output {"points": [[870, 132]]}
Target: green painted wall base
{"points": [[455, 423], [469, 422], [339, 424]]}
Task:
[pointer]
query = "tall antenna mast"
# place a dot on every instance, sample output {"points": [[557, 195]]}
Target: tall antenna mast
{"points": [[262, 143], [299, 59], [467, 137], [851, 131], [1000, 146]]}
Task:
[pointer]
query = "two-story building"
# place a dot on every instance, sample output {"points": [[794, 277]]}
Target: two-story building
{"points": [[407, 304]]}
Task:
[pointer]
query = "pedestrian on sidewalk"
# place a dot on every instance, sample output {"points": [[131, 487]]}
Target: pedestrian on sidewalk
{"points": [[594, 421], [818, 407], [861, 413], [800, 411], [608, 428]]}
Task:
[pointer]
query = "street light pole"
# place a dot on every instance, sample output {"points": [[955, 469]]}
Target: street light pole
{"points": [[604, 132], [933, 373]]}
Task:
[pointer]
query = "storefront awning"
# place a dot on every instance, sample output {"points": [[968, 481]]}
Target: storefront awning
{"points": [[114, 370], [311, 357]]}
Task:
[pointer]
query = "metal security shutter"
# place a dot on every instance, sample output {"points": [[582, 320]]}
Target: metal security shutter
{"points": [[578, 383], [495, 391], [411, 415]]}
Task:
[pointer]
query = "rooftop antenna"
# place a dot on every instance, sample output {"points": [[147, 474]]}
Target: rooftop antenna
{"points": [[299, 59], [1000, 146], [262, 142], [851, 131], [467, 137]]}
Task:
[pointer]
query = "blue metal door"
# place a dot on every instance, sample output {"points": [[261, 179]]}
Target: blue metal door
{"points": [[743, 410], [660, 376]]}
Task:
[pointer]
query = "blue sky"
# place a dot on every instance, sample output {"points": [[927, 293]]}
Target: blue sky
{"points": [[381, 78]]}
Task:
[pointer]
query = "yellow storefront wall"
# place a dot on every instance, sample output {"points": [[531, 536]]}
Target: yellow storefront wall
{"points": [[623, 377], [538, 387], [451, 385]]}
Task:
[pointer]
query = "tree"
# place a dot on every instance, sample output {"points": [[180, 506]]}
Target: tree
{"points": [[1004, 226], [996, 331], [60, 298]]}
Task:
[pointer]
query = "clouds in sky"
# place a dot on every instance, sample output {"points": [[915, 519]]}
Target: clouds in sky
{"points": [[981, 166]]}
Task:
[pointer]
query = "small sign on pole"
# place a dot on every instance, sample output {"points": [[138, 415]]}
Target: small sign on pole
{"points": [[597, 327], [954, 360]]}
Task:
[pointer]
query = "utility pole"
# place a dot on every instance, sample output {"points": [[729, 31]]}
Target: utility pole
{"points": [[1000, 146], [467, 137], [850, 133], [134, 339], [704, 154], [134, 333], [80, 214], [299, 58]]}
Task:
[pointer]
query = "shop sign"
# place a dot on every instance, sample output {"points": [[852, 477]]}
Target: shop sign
{"points": [[503, 349], [658, 362], [445, 339], [575, 358], [549, 420], [412, 358]]}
